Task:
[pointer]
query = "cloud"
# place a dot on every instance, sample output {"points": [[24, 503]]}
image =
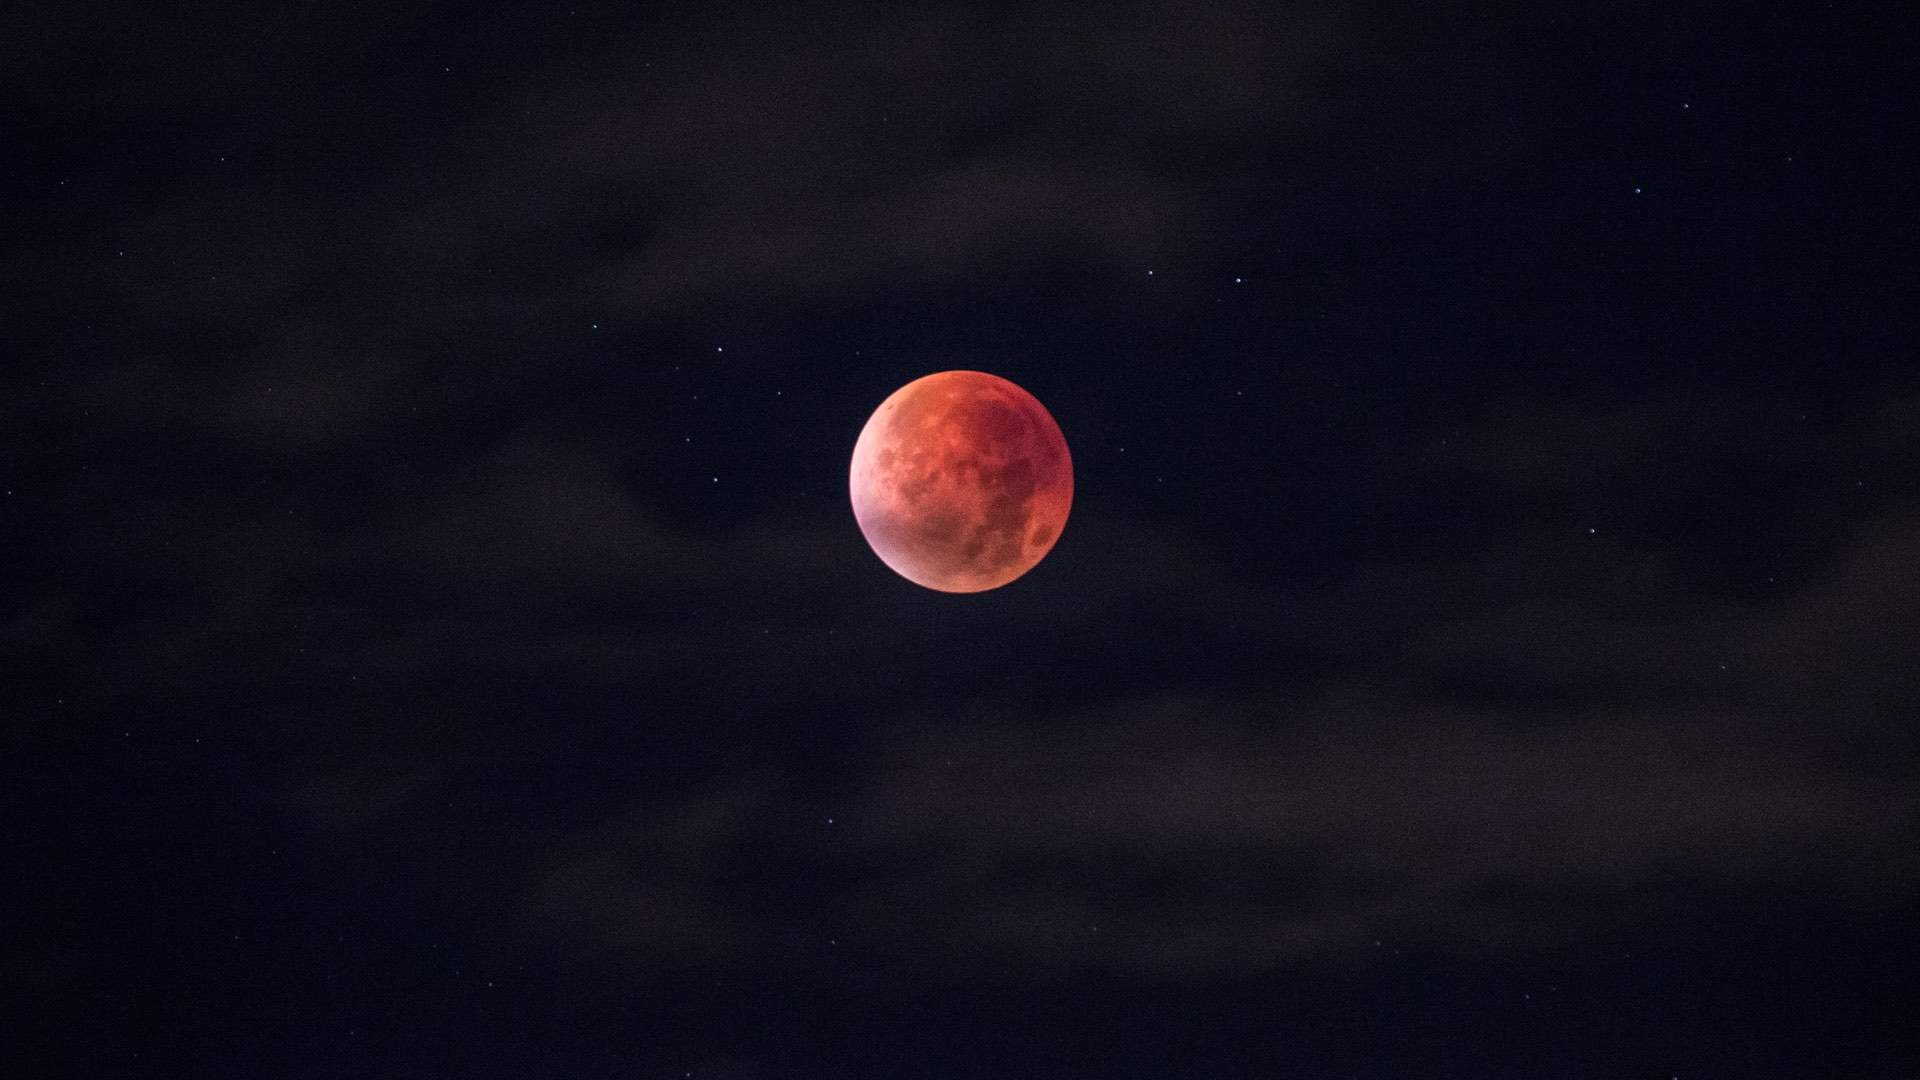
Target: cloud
{"points": [[403, 514], [802, 162], [1195, 838], [1206, 837], [1206, 828], [1849, 639]]}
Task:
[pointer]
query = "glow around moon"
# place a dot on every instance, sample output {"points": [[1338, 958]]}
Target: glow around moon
{"points": [[961, 481]]}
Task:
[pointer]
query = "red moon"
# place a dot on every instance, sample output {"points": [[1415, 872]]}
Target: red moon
{"points": [[961, 481]]}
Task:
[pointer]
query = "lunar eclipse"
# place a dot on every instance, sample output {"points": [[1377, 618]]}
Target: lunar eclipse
{"points": [[961, 481]]}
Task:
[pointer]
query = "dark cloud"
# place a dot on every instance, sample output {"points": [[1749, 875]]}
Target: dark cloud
{"points": [[1194, 831], [443, 620]]}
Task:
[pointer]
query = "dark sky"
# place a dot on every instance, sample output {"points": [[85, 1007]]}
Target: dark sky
{"points": [[1484, 644]]}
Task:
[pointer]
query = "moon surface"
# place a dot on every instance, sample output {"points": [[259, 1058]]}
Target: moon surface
{"points": [[961, 481]]}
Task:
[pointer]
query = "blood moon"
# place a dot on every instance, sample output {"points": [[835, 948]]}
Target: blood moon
{"points": [[961, 481]]}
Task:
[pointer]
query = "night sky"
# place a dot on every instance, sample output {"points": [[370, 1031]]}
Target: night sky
{"points": [[1483, 645]]}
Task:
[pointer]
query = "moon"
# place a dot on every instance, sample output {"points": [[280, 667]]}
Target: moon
{"points": [[961, 481]]}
